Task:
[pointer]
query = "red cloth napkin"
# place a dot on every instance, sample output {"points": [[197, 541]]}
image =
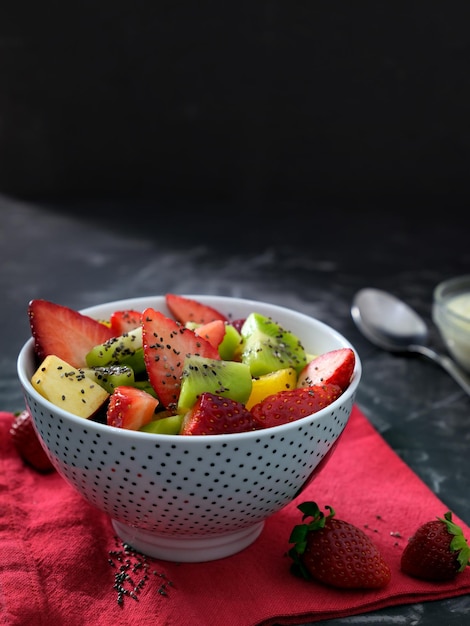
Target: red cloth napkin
{"points": [[60, 559]]}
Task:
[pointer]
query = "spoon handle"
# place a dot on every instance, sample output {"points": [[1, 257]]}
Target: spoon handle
{"points": [[446, 363]]}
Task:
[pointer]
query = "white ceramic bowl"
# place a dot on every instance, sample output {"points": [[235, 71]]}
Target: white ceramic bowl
{"points": [[192, 499], [451, 314]]}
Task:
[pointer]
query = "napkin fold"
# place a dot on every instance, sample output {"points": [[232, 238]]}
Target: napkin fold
{"points": [[61, 563]]}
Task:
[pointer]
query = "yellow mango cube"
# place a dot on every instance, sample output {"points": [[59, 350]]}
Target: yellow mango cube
{"points": [[273, 382], [68, 387]]}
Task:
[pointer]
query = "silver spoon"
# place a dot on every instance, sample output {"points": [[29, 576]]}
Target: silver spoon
{"points": [[392, 325]]}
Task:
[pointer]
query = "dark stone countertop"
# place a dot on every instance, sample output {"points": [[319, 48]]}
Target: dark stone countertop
{"points": [[312, 259]]}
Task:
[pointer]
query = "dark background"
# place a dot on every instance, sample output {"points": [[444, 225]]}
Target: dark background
{"points": [[240, 103], [292, 152]]}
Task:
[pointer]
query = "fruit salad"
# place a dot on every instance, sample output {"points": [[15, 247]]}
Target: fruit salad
{"points": [[193, 372]]}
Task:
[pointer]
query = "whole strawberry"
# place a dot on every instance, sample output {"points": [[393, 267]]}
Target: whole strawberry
{"points": [[27, 443], [437, 551], [335, 552]]}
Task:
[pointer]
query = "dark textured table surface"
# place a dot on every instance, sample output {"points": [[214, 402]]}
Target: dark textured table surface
{"points": [[81, 255]]}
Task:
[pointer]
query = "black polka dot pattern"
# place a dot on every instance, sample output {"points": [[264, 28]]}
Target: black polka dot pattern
{"points": [[188, 486]]}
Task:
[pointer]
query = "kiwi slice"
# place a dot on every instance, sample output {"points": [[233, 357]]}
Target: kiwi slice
{"points": [[111, 376], [229, 379], [229, 347], [145, 386], [268, 347], [170, 425], [123, 350]]}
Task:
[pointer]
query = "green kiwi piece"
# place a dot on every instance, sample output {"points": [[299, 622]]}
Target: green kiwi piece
{"points": [[268, 347], [123, 350], [229, 379], [136, 361], [170, 425], [229, 347], [111, 376], [145, 386]]}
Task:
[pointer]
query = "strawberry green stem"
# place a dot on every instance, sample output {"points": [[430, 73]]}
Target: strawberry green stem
{"points": [[300, 532], [459, 543]]}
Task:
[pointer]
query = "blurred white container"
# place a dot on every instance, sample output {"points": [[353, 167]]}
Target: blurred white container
{"points": [[451, 314]]}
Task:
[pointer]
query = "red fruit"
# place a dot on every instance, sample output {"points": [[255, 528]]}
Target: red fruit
{"points": [[292, 404], [166, 343], [437, 551], [187, 310], [215, 415], [238, 323], [335, 366], [130, 407], [123, 321], [27, 443], [64, 332], [213, 332], [335, 552]]}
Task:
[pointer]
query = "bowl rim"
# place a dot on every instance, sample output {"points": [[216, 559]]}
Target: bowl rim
{"points": [[26, 353]]}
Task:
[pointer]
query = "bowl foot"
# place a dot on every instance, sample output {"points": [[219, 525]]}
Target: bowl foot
{"points": [[187, 550]]}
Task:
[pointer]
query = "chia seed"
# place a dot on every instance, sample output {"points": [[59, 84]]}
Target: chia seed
{"points": [[132, 573]]}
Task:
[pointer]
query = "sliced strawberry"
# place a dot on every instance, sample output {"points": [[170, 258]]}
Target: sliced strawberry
{"points": [[293, 404], [27, 443], [335, 367], [166, 344], [215, 415], [123, 321], [188, 310], [213, 331], [64, 332], [130, 408]]}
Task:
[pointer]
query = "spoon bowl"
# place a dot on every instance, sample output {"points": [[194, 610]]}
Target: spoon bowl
{"points": [[387, 321], [390, 324]]}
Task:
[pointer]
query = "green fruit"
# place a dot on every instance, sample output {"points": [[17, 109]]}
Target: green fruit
{"points": [[136, 361], [267, 347], [123, 350], [164, 426], [229, 379], [230, 344], [111, 376], [145, 386]]}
